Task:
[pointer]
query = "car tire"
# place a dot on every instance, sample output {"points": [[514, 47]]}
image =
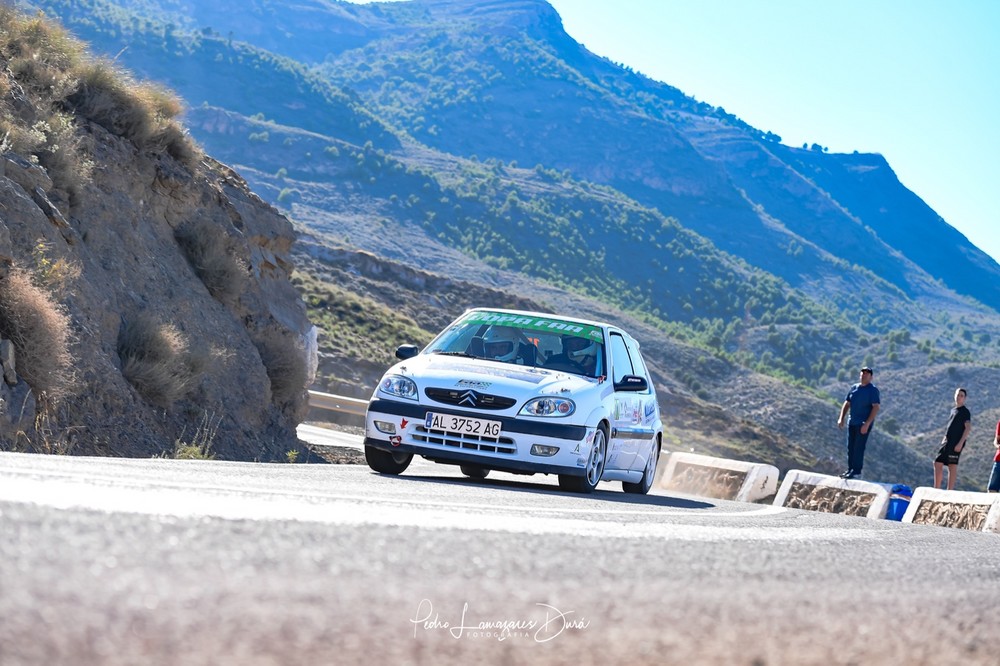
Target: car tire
{"points": [[595, 467], [474, 471], [643, 486], [387, 462]]}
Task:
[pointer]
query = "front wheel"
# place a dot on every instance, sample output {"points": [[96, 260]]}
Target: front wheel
{"points": [[644, 484], [387, 462], [595, 467]]}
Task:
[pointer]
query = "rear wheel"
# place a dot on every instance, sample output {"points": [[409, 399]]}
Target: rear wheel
{"points": [[474, 471], [643, 486], [387, 462], [595, 467]]}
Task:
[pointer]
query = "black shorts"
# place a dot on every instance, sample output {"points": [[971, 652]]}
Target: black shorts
{"points": [[947, 456]]}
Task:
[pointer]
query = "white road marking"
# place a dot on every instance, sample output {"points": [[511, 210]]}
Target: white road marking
{"points": [[181, 499]]}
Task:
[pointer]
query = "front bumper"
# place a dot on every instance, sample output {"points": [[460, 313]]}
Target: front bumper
{"points": [[512, 452]]}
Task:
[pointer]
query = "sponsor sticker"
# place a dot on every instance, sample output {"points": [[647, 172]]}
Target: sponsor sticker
{"points": [[473, 383], [537, 324]]}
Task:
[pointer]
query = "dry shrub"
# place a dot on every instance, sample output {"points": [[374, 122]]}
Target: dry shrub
{"points": [[63, 154], [42, 55], [213, 255], [105, 96], [180, 146], [199, 445], [20, 138], [40, 331], [60, 76], [55, 144], [141, 112], [47, 438], [42, 59], [167, 135], [159, 360], [58, 274], [285, 361]]}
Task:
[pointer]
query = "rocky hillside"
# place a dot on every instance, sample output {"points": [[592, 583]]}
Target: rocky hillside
{"points": [[146, 306]]}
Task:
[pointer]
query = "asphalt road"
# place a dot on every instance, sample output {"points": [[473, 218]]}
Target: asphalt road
{"points": [[110, 561]]}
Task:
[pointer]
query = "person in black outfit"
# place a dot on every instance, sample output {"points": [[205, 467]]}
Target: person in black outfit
{"points": [[953, 442]]}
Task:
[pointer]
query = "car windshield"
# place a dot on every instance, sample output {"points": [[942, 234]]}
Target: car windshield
{"points": [[529, 340]]}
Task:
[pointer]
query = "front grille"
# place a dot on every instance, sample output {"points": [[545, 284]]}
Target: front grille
{"points": [[455, 440], [469, 398]]}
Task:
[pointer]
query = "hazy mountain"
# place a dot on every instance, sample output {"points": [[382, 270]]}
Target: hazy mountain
{"points": [[476, 141]]}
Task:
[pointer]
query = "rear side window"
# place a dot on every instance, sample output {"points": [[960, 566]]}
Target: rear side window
{"points": [[638, 365], [621, 361]]}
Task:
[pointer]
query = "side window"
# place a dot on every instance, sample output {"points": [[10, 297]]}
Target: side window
{"points": [[637, 363], [621, 363]]}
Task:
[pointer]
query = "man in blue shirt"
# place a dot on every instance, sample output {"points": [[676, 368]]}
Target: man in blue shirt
{"points": [[863, 402]]}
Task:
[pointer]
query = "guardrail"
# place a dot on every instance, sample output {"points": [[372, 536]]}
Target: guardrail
{"points": [[337, 403]]}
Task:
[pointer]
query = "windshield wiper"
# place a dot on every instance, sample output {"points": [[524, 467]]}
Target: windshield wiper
{"points": [[454, 353]]}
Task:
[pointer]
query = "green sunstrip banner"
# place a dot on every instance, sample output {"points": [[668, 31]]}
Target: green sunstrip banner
{"points": [[535, 324]]}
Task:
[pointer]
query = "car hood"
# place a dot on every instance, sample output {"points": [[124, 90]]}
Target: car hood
{"points": [[490, 376]]}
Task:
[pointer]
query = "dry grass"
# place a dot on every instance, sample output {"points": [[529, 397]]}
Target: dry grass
{"points": [[285, 360], [51, 83], [199, 445], [213, 255], [159, 360], [41, 59], [57, 274], [41, 333], [47, 438], [55, 144], [140, 112], [41, 55]]}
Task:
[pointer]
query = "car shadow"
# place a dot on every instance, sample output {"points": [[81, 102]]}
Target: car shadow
{"points": [[530, 487]]}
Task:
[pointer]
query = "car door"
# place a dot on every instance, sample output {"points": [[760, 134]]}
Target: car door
{"points": [[627, 411], [647, 418]]}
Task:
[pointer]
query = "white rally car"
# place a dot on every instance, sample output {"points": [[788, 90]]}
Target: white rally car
{"points": [[521, 392]]}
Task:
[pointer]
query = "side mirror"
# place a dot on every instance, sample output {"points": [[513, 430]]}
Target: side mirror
{"points": [[404, 352], [632, 383]]}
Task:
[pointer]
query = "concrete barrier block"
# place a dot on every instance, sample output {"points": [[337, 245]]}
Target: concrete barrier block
{"points": [[979, 512], [831, 494], [718, 477], [992, 523]]}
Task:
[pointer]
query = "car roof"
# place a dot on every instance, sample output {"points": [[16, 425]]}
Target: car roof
{"points": [[533, 313]]}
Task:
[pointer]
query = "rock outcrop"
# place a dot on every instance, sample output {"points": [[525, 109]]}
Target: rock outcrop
{"points": [[147, 304]]}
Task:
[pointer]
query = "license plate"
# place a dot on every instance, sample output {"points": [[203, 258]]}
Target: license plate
{"points": [[462, 424]]}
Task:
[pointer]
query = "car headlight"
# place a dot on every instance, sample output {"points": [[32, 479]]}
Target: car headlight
{"points": [[401, 387], [548, 407]]}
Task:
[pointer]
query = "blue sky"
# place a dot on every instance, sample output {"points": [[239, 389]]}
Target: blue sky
{"points": [[915, 80]]}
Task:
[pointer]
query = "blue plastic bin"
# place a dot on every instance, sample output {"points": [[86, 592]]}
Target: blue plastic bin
{"points": [[899, 499]]}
